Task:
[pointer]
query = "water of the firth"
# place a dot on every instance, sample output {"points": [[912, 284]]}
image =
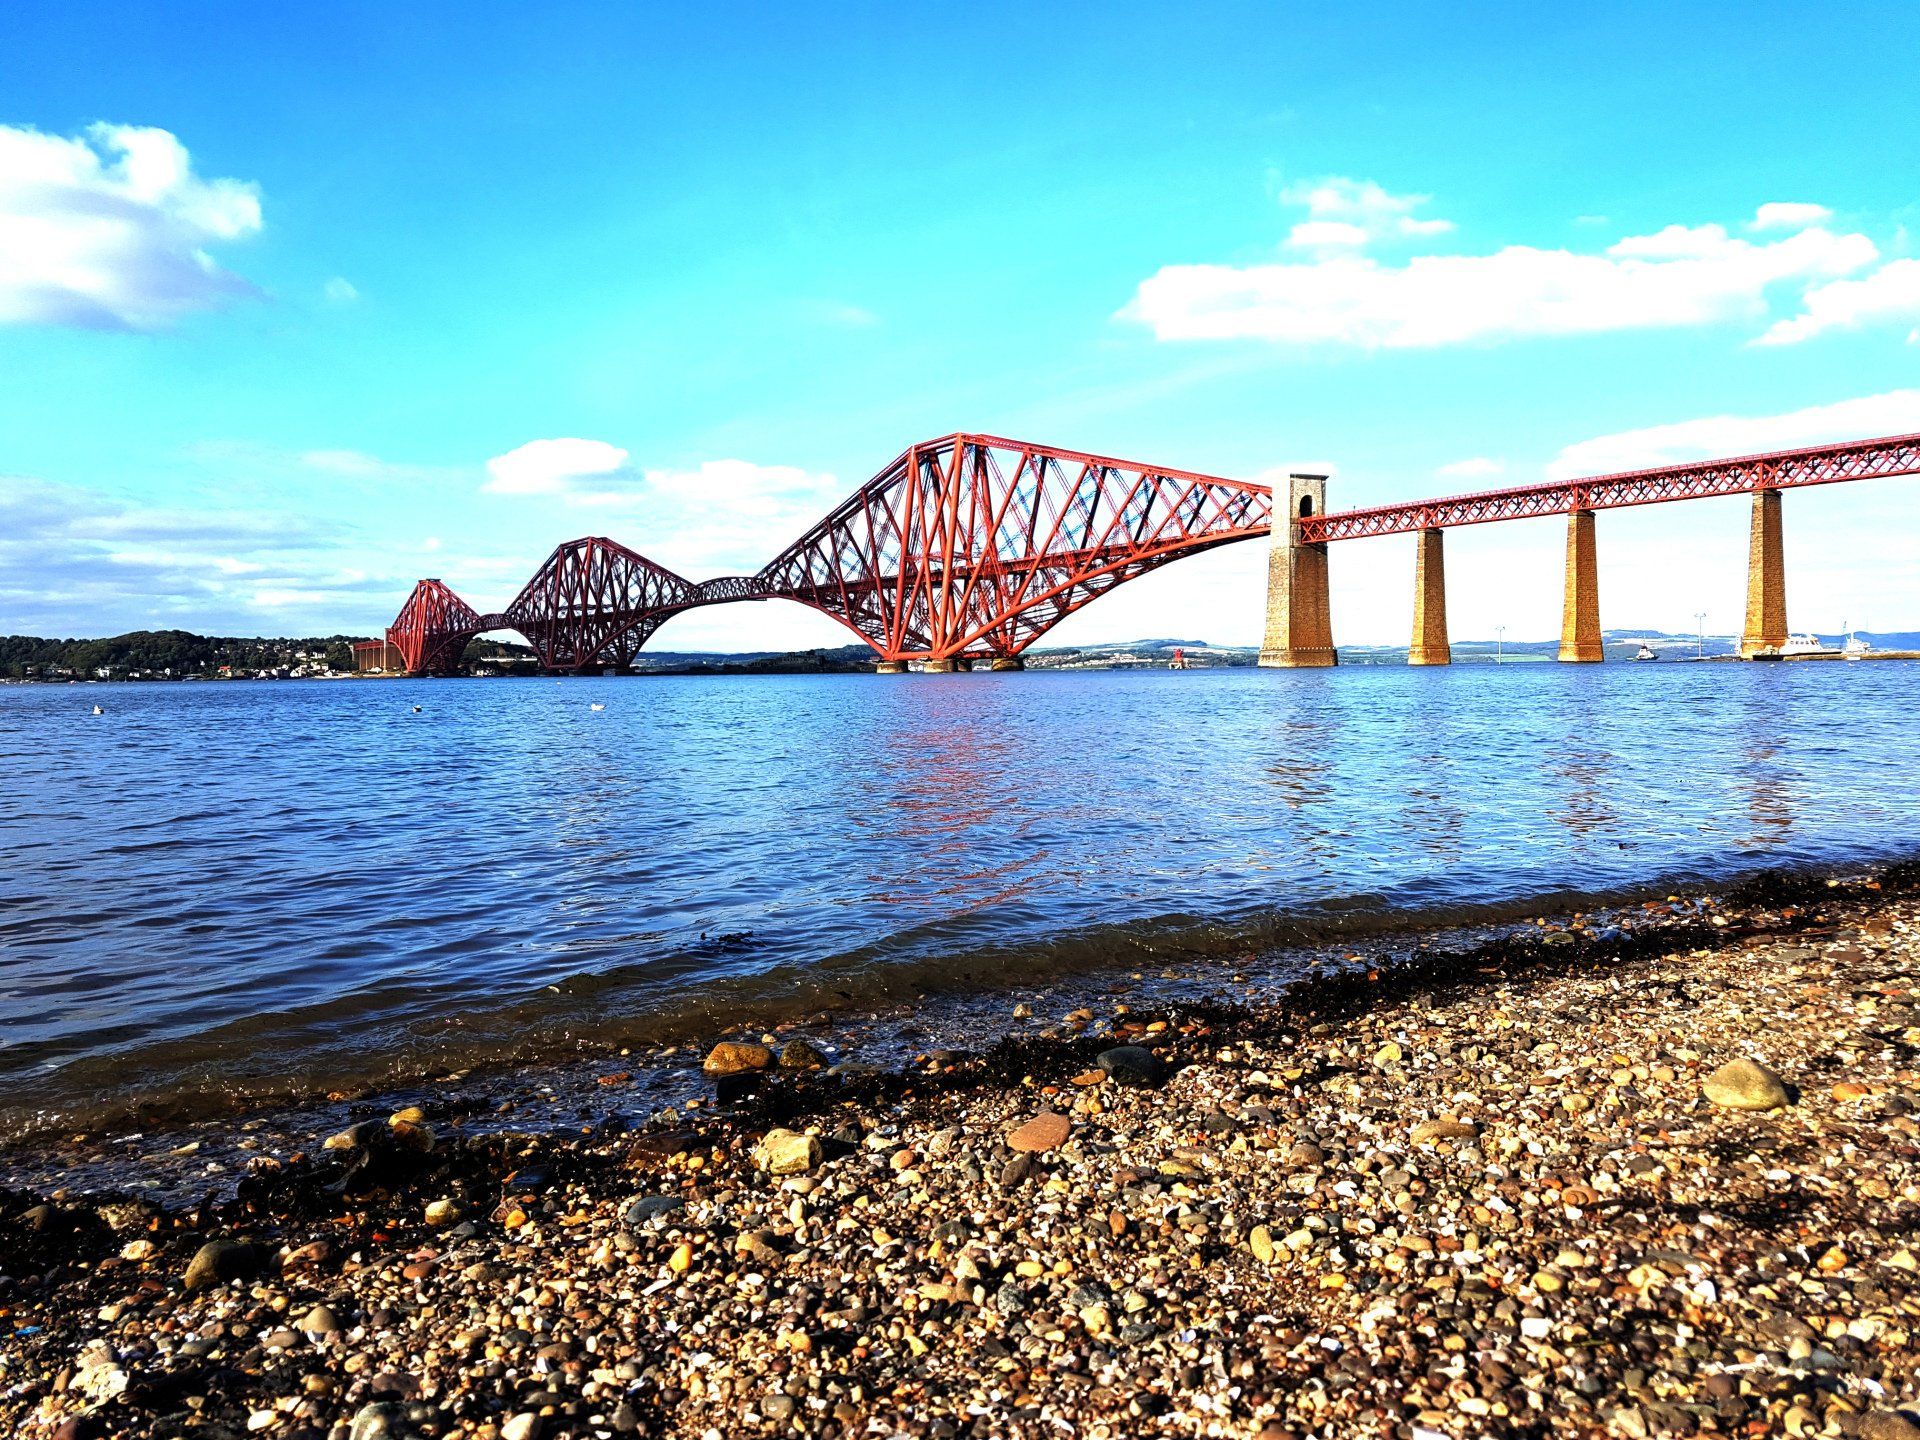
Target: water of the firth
{"points": [[224, 886]]}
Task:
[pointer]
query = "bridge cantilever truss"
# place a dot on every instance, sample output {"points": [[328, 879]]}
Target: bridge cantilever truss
{"points": [[972, 546], [969, 546]]}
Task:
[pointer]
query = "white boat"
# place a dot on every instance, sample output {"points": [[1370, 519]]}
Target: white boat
{"points": [[1804, 645], [1646, 652], [1855, 648]]}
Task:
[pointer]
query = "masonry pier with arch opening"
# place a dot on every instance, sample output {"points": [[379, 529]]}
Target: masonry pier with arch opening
{"points": [[1299, 612], [1299, 622]]}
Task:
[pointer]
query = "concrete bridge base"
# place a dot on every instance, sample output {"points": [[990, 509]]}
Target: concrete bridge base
{"points": [[890, 667], [1299, 617], [1766, 628], [941, 667], [1429, 645], [1580, 616], [1008, 662]]}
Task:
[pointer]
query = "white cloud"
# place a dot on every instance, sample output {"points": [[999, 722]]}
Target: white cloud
{"points": [[77, 561], [1316, 234], [1675, 242], [340, 291], [552, 467], [729, 516], [721, 516], [1895, 413], [1474, 467], [1789, 215], [1351, 213], [285, 599], [110, 229], [1890, 293], [1674, 277]]}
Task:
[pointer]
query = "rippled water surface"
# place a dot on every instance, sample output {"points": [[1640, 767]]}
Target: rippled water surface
{"points": [[254, 885]]}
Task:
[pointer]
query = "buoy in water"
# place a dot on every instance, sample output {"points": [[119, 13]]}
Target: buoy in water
{"points": [[598, 706], [416, 709], [98, 711]]}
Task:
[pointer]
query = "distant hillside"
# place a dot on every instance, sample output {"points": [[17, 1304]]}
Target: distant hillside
{"points": [[169, 655]]}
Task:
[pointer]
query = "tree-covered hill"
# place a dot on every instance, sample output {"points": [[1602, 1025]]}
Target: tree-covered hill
{"points": [[161, 654]]}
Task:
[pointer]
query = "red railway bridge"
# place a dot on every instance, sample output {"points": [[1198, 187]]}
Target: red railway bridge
{"points": [[968, 548]]}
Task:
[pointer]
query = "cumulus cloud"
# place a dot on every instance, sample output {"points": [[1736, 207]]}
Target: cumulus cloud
{"points": [[1890, 293], [1897, 412], [552, 467], [340, 291], [1676, 276], [1789, 215], [1351, 213], [110, 229], [719, 516]]}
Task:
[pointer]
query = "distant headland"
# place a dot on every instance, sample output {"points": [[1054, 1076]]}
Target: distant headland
{"points": [[160, 655]]}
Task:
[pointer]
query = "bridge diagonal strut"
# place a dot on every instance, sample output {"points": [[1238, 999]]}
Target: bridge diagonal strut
{"points": [[433, 627], [595, 601], [973, 546]]}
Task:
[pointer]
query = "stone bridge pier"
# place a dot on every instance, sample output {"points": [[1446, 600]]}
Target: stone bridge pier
{"points": [[1766, 627], [1299, 616], [1429, 646]]}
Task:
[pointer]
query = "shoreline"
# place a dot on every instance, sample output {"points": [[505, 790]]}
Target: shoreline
{"points": [[1478, 1194], [170, 1140]]}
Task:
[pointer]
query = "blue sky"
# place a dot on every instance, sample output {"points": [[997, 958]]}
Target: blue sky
{"points": [[285, 299]]}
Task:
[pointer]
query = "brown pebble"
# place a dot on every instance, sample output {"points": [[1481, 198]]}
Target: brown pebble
{"points": [[1046, 1131]]}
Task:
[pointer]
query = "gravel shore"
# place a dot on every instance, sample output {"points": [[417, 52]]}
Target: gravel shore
{"points": [[1660, 1177]]}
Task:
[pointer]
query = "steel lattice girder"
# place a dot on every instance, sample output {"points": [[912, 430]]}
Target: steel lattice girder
{"points": [[592, 599], [975, 545], [1781, 470], [972, 544], [432, 629]]}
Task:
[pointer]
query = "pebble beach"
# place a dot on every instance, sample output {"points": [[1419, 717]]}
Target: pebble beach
{"points": [[1657, 1179]]}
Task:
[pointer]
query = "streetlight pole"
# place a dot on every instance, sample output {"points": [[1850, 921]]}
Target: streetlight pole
{"points": [[1700, 649], [1499, 644]]}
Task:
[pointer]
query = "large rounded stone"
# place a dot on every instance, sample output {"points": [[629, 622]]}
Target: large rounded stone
{"points": [[649, 1208], [1046, 1131], [737, 1057], [1430, 1130], [799, 1054], [381, 1420], [786, 1152], [1745, 1085], [218, 1261], [1130, 1065]]}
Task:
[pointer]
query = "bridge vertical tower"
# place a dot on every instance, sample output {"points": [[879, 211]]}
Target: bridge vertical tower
{"points": [[1299, 616], [1429, 645], [1766, 629], [1580, 614]]}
